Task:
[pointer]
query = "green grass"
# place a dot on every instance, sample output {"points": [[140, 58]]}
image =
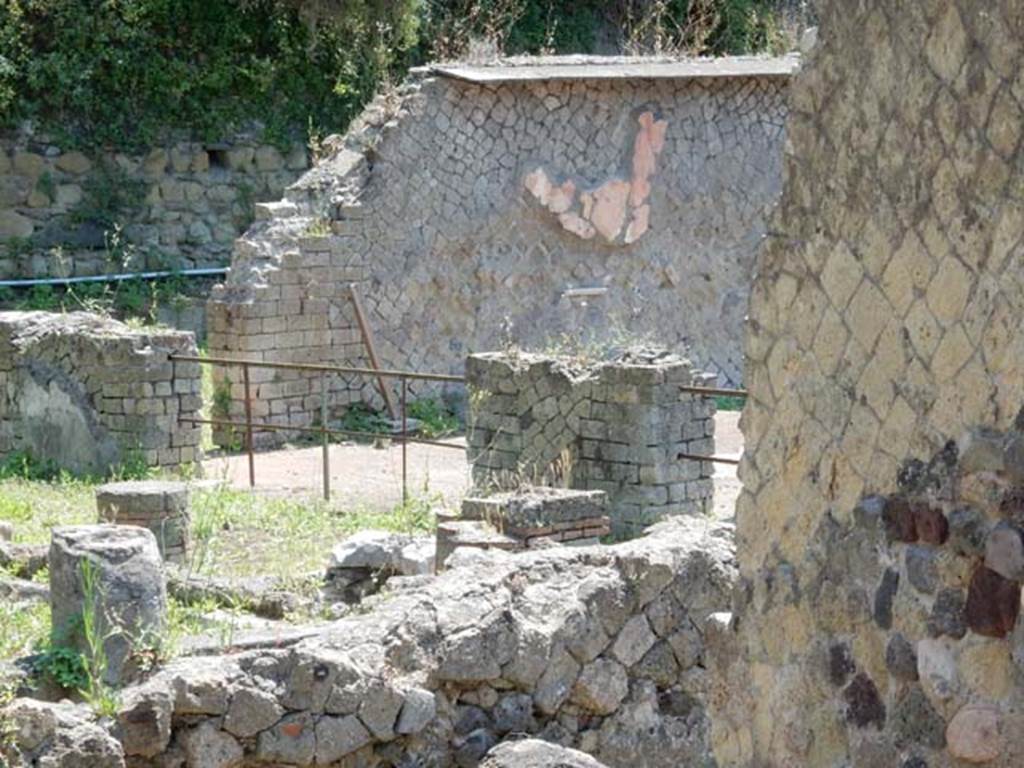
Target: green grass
{"points": [[35, 506], [726, 403], [24, 628], [235, 534], [239, 534]]}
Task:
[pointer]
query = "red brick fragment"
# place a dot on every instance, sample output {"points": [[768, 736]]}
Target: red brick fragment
{"points": [[993, 603], [899, 520], [931, 525]]}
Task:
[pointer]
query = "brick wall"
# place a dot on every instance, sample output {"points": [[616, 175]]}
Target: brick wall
{"points": [[615, 426], [89, 393], [452, 205]]}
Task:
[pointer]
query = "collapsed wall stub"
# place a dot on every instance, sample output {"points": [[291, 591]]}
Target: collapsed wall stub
{"points": [[527, 201], [603, 649], [617, 426], [87, 392], [878, 529]]}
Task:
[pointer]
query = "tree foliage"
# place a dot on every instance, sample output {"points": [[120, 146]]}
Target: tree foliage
{"points": [[126, 72]]}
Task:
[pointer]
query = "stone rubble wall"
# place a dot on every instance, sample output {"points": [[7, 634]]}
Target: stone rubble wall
{"points": [[616, 427], [88, 392], [596, 649], [878, 529], [186, 203], [463, 212]]}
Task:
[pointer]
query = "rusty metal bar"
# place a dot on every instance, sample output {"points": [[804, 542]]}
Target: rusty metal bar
{"points": [[248, 427], [405, 441], [263, 426], [713, 391], [325, 436], [717, 459], [371, 349], [316, 368]]}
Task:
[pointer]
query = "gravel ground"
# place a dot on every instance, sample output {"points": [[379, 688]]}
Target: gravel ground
{"points": [[369, 477]]}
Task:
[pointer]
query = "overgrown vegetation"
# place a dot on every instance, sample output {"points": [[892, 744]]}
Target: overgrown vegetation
{"points": [[727, 403], [237, 533], [135, 301], [124, 73], [434, 419]]}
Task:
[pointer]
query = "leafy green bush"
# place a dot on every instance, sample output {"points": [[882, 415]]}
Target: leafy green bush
{"points": [[728, 403], [65, 666], [435, 419], [122, 73], [127, 72], [359, 417]]}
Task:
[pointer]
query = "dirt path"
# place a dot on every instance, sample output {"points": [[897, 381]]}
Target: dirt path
{"points": [[369, 477]]}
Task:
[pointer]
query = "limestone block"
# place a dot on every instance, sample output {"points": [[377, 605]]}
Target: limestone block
{"points": [[155, 163], [973, 735], [28, 164], [68, 195], [118, 570], [601, 687], [14, 225], [267, 158], [160, 506], [73, 162], [240, 158]]}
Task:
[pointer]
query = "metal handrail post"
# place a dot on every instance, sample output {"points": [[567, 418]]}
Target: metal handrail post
{"points": [[325, 437], [248, 426]]}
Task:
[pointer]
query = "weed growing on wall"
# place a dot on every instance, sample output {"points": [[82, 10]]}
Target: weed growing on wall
{"points": [[100, 696], [435, 419]]}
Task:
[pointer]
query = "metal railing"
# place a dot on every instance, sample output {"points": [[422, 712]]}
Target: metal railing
{"points": [[250, 426], [712, 392]]}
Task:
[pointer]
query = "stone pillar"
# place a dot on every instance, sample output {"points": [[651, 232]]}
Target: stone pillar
{"points": [[617, 425], [128, 594], [160, 506]]}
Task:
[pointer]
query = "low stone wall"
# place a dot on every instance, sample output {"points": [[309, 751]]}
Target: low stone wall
{"points": [[616, 426], [180, 205], [86, 392], [598, 648]]}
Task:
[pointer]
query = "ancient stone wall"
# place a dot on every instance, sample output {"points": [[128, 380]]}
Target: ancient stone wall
{"points": [[879, 524], [178, 206], [533, 210], [596, 648], [89, 393], [616, 426]]}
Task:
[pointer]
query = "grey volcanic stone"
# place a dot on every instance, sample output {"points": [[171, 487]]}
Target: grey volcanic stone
{"points": [[251, 711], [900, 658], [144, 722], [514, 714], [339, 736], [948, 617], [206, 746], [474, 747], [915, 721], [634, 641], [601, 687], [1004, 552], [130, 597], [922, 572], [533, 753], [63, 735], [292, 740], [419, 709]]}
